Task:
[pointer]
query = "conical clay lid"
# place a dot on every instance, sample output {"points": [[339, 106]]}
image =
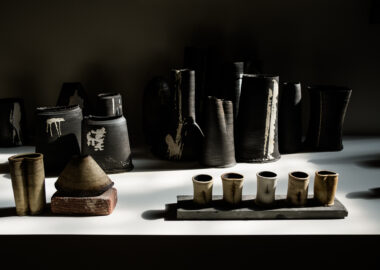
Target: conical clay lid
{"points": [[82, 176]]}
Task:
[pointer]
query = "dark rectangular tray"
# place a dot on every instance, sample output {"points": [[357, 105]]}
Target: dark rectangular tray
{"points": [[218, 210]]}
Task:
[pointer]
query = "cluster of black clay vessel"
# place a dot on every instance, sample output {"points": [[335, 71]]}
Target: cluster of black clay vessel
{"points": [[325, 186]]}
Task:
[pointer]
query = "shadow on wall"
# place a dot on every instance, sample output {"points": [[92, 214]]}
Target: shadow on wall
{"points": [[367, 161]]}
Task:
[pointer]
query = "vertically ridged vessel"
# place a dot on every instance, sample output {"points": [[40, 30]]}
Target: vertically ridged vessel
{"points": [[256, 136]]}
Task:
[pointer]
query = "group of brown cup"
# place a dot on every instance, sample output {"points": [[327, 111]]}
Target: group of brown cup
{"points": [[325, 186]]}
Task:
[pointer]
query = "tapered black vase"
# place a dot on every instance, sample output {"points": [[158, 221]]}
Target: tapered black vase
{"points": [[73, 93], [328, 106], [156, 112], [218, 145], [58, 135], [290, 118], [233, 76], [106, 139], [256, 131], [12, 122], [184, 137], [109, 104]]}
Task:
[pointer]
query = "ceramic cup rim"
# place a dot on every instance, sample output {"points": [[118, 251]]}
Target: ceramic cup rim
{"points": [[57, 109], [30, 156], [178, 70], [239, 177], [267, 177], [261, 76], [203, 182], [326, 173], [108, 95], [291, 174]]}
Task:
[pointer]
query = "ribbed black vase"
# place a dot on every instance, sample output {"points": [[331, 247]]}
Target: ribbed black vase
{"points": [[256, 132], [109, 104], [58, 135], [218, 146], [73, 93], [184, 137], [290, 118], [12, 122], [106, 139], [156, 112], [328, 106]]}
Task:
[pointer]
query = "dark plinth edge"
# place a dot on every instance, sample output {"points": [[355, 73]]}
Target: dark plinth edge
{"points": [[248, 209]]}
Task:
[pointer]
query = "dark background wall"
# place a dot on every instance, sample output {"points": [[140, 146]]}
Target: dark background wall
{"points": [[120, 45]]}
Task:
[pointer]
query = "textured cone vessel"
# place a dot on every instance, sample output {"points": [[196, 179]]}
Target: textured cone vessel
{"points": [[106, 139], [58, 135], [82, 177], [256, 132], [218, 147], [328, 106], [12, 122]]}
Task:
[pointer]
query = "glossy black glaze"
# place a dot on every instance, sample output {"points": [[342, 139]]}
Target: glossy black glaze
{"points": [[109, 104]]}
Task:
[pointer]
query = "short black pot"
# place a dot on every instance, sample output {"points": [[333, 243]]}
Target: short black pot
{"points": [[12, 122], [218, 146], [109, 104], [106, 140], [58, 135], [256, 131], [73, 93], [328, 106], [290, 118]]}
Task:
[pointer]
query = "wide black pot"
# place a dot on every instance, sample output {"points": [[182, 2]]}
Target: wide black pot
{"points": [[109, 104], [218, 146], [58, 135], [256, 131], [328, 106], [12, 122], [73, 93], [106, 140], [184, 137], [290, 118]]}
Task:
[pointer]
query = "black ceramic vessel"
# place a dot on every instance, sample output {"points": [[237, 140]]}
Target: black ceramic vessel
{"points": [[328, 106], [156, 112], [73, 93], [109, 104], [12, 122], [256, 131], [106, 140], [184, 137], [290, 118], [58, 135], [218, 146]]}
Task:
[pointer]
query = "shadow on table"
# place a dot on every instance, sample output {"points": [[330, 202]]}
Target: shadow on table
{"points": [[168, 214], [373, 193], [4, 167], [366, 161]]}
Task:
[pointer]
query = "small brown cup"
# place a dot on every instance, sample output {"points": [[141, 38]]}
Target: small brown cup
{"points": [[325, 185], [232, 187], [202, 184], [298, 186]]}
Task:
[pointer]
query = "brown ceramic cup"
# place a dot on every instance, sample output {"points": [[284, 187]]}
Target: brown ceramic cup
{"points": [[325, 185], [202, 184], [232, 187], [298, 185]]}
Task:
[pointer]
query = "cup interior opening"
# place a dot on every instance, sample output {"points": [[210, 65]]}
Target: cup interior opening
{"points": [[233, 176], [300, 174], [326, 173], [203, 178], [267, 174], [36, 155]]}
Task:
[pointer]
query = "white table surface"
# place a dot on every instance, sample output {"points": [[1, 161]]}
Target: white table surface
{"points": [[143, 193]]}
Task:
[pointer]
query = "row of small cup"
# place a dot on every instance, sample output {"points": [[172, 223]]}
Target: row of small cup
{"points": [[325, 185]]}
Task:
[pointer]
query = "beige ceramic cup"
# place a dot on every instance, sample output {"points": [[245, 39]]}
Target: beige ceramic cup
{"points": [[266, 188], [298, 185], [202, 184], [232, 187], [325, 185]]}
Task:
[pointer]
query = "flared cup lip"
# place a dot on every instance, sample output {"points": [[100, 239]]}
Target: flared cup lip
{"points": [[326, 173], [230, 176], [106, 95], [329, 87], [57, 109], [32, 156], [267, 174], [202, 178], [299, 175], [264, 76]]}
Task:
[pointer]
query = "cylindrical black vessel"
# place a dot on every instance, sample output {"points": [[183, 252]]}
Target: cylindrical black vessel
{"points": [[328, 106], [106, 140], [72, 93], [218, 146], [12, 122], [58, 135], [256, 131], [233, 76], [109, 104], [290, 118]]}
